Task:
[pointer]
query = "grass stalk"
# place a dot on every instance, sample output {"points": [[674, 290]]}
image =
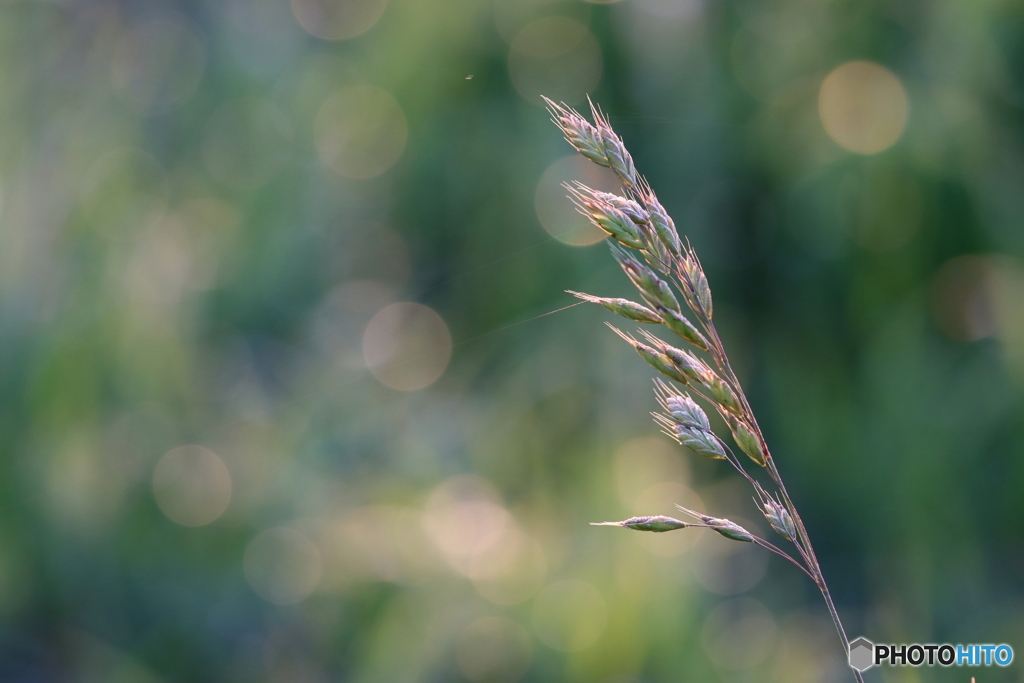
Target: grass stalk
{"points": [[661, 265]]}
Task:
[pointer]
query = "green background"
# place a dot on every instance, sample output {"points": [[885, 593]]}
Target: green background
{"points": [[186, 260]]}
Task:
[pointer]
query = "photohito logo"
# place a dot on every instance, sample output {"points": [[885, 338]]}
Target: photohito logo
{"points": [[864, 654]]}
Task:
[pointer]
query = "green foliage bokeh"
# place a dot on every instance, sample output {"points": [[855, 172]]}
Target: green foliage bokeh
{"points": [[204, 206]]}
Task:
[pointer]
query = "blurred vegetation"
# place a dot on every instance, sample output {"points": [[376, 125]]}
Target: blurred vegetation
{"points": [[278, 407]]}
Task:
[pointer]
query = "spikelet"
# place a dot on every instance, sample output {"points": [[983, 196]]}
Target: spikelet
{"points": [[579, 132], [780, 519], [617, 223], [653, 289], [654, 358], [623, 307], [730, 530], [656, 523]]}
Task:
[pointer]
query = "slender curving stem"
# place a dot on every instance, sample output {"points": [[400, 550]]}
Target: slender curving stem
{"points": [[803, 538], [805, 541]]}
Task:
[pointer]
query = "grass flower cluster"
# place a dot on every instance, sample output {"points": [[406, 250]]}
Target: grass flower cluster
{"points": [[675, 294]]}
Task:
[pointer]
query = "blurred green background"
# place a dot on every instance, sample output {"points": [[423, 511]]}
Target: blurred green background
{"points": [[277, 405]]}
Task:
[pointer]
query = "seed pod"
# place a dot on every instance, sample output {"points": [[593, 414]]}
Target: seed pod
{"points": [[700, 441], [623, 307], [780, 520], [748, 441], [656, 523], [684, 328]]}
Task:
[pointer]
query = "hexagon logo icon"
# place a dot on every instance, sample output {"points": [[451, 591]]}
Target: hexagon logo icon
{"points": [[862, 654]]}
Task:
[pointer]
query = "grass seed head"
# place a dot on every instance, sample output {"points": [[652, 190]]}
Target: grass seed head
{"points": [[639, 221]]}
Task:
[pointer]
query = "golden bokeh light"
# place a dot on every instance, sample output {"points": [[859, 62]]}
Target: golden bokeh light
{"points": [[407, 346], [360, 131], [192, 485], [644, 462], [374, 543], [804, 649], [636, 575], [727, 567], [494, 650], [977, 297], [511, 570], [661, 499], [1007, 295], [158, 64], [863, 107], [337, 326], [282, 566], [556, 212], [569, 615], [739, 634], [512, 15], [961, 298], [463, 517], [557, 57], [337, 19]]}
